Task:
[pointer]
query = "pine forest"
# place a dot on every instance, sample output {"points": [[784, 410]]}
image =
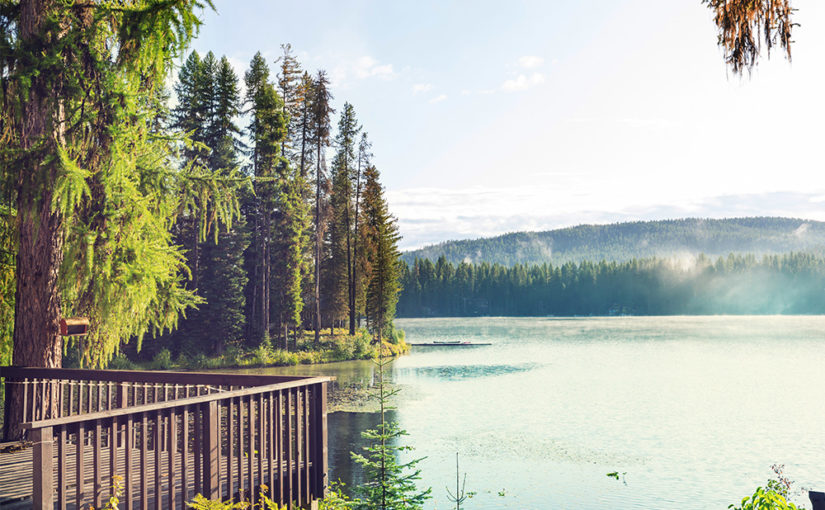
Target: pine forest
{"points": [[248, 220]]}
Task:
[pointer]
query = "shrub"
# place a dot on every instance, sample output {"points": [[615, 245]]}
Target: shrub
{"points": [[162, 360], [121, 362], [394, 335], [764, 499]]}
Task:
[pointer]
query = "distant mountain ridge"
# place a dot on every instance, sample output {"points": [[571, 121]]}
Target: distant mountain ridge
{"points": [[640, 239]]}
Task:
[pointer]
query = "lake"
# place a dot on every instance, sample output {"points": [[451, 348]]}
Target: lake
{"points": [[690, 411]]}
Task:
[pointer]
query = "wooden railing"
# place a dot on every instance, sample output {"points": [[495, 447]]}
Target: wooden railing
{"points": [[159, 438]]}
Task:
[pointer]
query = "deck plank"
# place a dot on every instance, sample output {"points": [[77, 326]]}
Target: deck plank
{"points": [[16, 473]]}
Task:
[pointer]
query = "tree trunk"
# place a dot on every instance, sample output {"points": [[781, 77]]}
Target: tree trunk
{"points": [[37, 341], [318, 233], [350, 284], [356, 320]]}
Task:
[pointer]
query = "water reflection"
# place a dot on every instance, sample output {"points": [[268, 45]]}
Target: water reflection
{"points": [[345, 437], [459, 372]]}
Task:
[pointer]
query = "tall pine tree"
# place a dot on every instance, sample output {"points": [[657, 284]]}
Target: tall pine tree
{"points": [[267, 131], [341, 238], [208, 104], [381, 242], [359, 260], [320, 112]]}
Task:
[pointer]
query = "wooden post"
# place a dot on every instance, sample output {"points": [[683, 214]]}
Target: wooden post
{"points": [[122, 400], [320, 442], [42, 481], [211, 443]]}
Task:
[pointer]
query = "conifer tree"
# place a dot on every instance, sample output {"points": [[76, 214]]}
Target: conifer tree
{"points": [[97, 191], [305, 158], [289, 81], [359, 261], [337, 269], [289, 241], [304, 131], [208, 104], [341, 231], [390, 482], [320, 112], [381, 240], [267, 130]]}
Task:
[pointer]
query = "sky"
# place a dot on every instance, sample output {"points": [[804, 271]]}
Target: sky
{"points": [[492, 117]]}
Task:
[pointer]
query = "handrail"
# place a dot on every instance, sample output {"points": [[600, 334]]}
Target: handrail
{"points": [[243, 392], [148, 376], [227, 436]]}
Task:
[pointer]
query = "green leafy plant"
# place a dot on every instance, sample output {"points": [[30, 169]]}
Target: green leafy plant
{"points": [[117, 491], [764, 499], [336, 499], [162, 360], [202, 503], [618, 476]]}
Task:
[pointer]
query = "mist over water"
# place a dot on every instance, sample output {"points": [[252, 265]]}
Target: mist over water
{"points": [[693, 409]]}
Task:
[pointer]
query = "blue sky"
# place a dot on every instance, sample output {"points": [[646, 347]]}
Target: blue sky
{"points": [[490, 117]]}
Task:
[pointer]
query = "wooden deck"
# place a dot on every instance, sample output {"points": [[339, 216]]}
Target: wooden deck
{"points": [[16, 481], [163, 437]]}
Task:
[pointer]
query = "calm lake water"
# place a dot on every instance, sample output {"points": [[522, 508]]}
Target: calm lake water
{"points": [[694, 410]]}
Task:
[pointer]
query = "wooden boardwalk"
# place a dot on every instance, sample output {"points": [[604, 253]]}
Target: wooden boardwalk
{"points": [[16, 477], [163, 437]]}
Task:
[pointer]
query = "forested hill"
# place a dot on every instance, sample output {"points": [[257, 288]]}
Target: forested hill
{"points": [[642, 239]]}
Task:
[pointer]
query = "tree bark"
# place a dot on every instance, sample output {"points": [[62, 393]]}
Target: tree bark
{"points": [[37, 340], [318, 234]]}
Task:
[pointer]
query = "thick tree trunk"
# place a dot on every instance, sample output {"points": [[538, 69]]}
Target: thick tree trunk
{"points": [[37, 340]]}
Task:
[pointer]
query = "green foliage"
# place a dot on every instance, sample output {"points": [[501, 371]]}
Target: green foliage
{"points": [[381, 249], [202, 503], [162, 360], [103, 163], [394, 335], [117, 492], [119, 362], [390, 483], [208, 103], [764, 499], [336, 498], [7, 280]]}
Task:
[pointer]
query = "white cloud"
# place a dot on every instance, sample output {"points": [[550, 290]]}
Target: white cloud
{"points": [[360, 69], [530, 61], [523, 82], [366, 67], [439, 98], [420, 88]]}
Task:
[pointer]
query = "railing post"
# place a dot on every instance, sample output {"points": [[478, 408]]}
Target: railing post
{"points": [[211, 443], [321, 446], [122, 401], [42, 480]]}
